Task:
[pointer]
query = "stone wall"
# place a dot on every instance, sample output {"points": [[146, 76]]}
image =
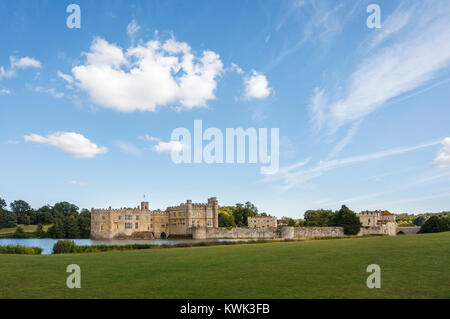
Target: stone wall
{"points": [[267, 233], [408, 230], [236, 232], [311, 232], [389, 229]]}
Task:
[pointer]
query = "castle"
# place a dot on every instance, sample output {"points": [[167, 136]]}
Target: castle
{"points": [[382, 222], [143, 223]]}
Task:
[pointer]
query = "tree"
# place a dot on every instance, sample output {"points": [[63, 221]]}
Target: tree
{"points": [[23, 212], [348, 220], [320, 217], [226, 220], [7, 219], [71, 227], [434, 224], [57, 229], [44, 215], [2, 204], [65, 209], [242, 213], [419, 221], [84, 223], [291, 222]]}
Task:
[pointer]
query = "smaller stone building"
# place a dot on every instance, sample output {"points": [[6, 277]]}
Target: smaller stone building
{"points": [[376, 218], [262, 221], [378, 222]]}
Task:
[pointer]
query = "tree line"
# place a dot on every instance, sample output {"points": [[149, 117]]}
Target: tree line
{"points": [[66, 219]]}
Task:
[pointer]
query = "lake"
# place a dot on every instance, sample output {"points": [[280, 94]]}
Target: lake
{"points": [[47, 243]]}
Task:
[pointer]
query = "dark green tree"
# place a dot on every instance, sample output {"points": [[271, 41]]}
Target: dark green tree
{"points": [[434, 224], [57, 229], [7, 219], [84, 223], [23, 212], [65, 209], [419, 221], [347, 219], [71, 227]]}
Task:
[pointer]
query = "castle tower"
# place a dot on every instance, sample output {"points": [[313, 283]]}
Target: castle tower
{"points": [[144, 206], [215, 210]]}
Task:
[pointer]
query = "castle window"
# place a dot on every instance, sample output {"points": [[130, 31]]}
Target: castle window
{"points": [[136, 225], [137, 217], [128, 217], [128, 225], [103, 217], [193, 223], [198, 223], [208, 223], [120, 217], [117, 226], [208, 214], [101, 227]]}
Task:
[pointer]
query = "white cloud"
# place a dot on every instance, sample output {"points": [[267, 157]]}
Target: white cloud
{"points": [[24, 63], [149, 138], [132, 28], [170, 146], [5, 91], [148, 75], [65, 77], [50, 91], [256, 86], [73, 143], [410, 60], [18, 63], [79, 183], [288, 177], [443, 156], [129, 148]]}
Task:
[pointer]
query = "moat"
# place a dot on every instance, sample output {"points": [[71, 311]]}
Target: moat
{"points": [[47, 243]]}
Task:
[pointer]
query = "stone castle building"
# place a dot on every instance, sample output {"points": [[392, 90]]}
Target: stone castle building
{"points": [[382, 222], [143, 223], [262, 221]]}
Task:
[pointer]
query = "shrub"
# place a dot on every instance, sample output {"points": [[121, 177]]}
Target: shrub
{"points": [[23, 250], [64, 247]]}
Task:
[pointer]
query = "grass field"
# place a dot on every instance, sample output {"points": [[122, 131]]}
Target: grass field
{"points": [[26, 229], [414, 266]]}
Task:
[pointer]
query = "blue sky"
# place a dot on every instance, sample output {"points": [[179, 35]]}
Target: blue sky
{"points": [[362, 113]]}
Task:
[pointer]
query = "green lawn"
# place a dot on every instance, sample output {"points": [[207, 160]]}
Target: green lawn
{"points": [[415, 266], [26, 229]]}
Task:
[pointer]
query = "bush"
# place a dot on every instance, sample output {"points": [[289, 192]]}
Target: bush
{"points": [[64, 247], [23, 250], [435, 224]]}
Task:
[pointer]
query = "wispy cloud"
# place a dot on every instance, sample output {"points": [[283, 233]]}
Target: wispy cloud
{"points": [[288, 177], [78, 183], [409, 61], [129, 148]]}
